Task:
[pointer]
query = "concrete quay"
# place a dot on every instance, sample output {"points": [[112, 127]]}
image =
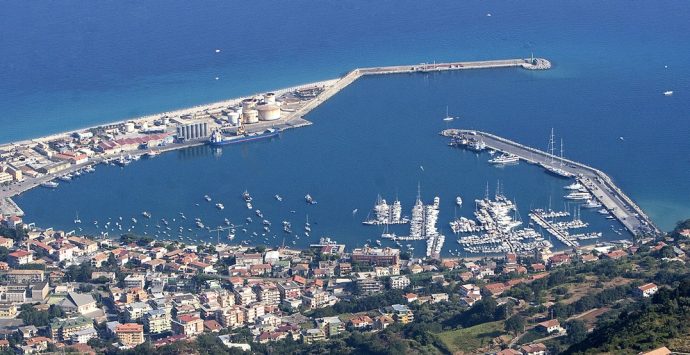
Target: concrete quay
{"points": [[600, 185]]}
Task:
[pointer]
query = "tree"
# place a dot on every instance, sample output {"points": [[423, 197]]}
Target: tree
{"points": [[577, 331], [515, 324]]}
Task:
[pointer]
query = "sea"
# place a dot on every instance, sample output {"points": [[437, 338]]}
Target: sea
{"points": [[67, 65]]}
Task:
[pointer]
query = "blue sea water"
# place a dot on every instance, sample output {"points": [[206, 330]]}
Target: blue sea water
{"points": [[73, 64]]}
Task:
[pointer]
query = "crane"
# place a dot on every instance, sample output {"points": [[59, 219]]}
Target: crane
{"points": [[218, 230]]}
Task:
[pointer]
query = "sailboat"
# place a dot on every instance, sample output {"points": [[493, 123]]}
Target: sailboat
{"points": [[76, 219], [550, 168], [448, 118]]}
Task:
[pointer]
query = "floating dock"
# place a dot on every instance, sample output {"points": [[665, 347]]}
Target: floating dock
{"points": [[599, 185]]}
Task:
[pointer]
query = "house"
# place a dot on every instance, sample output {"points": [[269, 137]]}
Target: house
{"points": [[399, 282], [550, 326], [310, 336], [20, 257], [130, 334], [508, 352], [410, 297], [401, 313], [8, 311], [658, 351], [616, 254], [83, 336], [534, 349], [586, 258], [362, 322], [212, 326], [495, 289], [559, 259], [6, 242], [646, 290]]}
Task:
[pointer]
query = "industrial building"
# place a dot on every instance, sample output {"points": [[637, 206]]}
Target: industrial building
{"points": [[193, 131]]}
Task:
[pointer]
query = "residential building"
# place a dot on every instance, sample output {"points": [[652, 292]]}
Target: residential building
{"points": [[130, 334]]}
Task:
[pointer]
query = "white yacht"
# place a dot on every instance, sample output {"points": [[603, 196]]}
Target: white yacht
{"points": [[278, 197], [574, 186], [220, 206], [458, 201], [592, 204], [207, 198], [668, 93], [578, 196], [505, 158]]}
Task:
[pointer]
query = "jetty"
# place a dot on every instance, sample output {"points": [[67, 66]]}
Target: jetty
{"points": [[597, 183], [292, 116]]}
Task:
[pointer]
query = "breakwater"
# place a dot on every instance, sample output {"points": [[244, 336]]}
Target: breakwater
{"points": [[599, 184]]}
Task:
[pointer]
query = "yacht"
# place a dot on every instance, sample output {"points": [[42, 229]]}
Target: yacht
{"points": [[578, 196], [278, 197], [310, 200], [458, 201], [246, 196], [77, 220], [259, 213], [220, 206], [146, 214], [249, 205], [448, 117], [603, 211], [592, 204], [668, 93], [67, 177], [574, 186], [505, 158], [207, 198]]}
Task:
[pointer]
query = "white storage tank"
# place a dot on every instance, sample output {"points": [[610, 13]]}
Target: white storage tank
{"points": [[250, 116], [129, 127], [268, 112], [234, 117], [166, 121], [270, 98]]}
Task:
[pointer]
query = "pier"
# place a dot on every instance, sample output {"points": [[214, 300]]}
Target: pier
{"points": [[290, 118], [599, 185]]}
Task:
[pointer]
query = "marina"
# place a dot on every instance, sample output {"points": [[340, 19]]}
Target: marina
{"points": [[596, 184]]}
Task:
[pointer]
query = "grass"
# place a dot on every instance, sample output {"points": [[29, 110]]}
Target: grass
{"points": [[469, 339]]}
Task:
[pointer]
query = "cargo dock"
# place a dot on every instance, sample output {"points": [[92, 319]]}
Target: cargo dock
{"points": [[291, 116], [597, 183]]}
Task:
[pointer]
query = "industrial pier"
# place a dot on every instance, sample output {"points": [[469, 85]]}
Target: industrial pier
{"points": [[600, 185], [292, 117]]}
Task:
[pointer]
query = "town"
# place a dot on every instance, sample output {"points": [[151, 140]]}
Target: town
{"points": [[63, 291]]}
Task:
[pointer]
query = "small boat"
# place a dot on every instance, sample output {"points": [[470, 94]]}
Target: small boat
{"points": [[458, 201], [249, 219], [278, 197], [151, 154], [259, 213], [146, 214], [505, 158], [207, 198], [50, 184], [134, 220], [603, 211], [668, 93], [448, 118], [220, 206], [246, 196], [66, 178], [310, 200], [249, 205], [76, 219]]}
